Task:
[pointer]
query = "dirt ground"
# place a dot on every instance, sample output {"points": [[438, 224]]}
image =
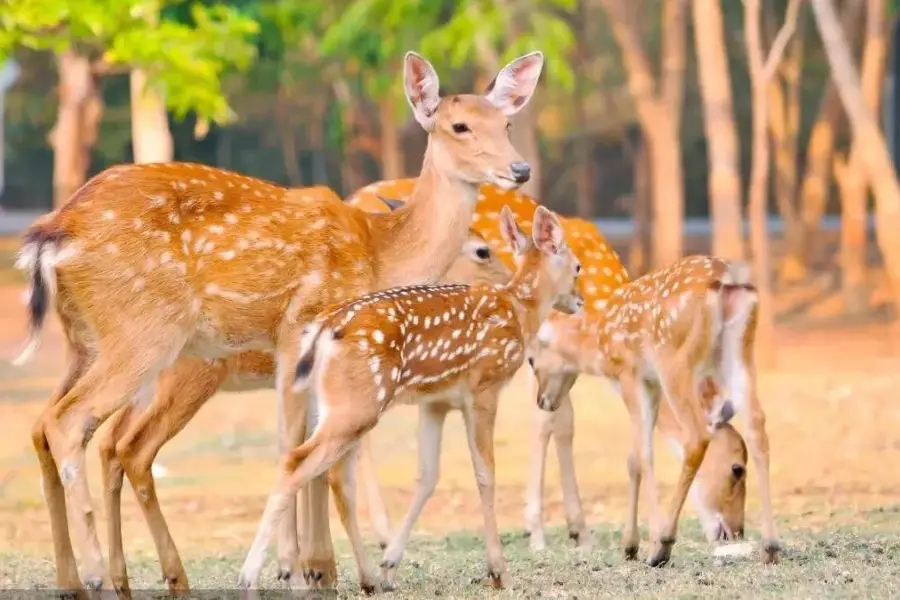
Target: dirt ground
{"points": [[833, 421]]}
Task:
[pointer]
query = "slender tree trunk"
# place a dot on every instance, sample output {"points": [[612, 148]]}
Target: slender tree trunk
{"points": [[867, 137], [75, 132], [288, 135], [317, 127], [391, 148], [815, 189], [640, 246], [762, 70], [723, 149], [673, 59], [659, 132], [854, 190], [151, 139], [584, 176], [784, 127]]}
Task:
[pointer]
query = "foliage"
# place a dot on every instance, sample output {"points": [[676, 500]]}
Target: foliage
{"points": [[184, 60]]}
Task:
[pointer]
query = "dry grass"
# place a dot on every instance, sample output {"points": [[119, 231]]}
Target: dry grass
{"points": [[833, 420]]}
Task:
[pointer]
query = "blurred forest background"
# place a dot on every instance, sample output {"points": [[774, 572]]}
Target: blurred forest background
{"points": [[647, 108]]}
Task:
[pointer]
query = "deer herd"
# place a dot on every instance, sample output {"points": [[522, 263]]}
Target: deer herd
{"points": [[173, 281]]}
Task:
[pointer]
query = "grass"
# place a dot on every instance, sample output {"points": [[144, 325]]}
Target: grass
{"points": [[852, 561]]}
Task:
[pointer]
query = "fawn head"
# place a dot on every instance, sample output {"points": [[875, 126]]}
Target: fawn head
{"points": [[720, 487], [478, 264], [546, 267], [469, 134], [555, 358]]}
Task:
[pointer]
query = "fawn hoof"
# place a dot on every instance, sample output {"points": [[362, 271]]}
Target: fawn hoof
{"points": [[320, 573], [370, 588], [630, 551], [770, 552], [498, 580], [284, 574], [93, 583], [663, 552], [387, 585], [536, 541]]}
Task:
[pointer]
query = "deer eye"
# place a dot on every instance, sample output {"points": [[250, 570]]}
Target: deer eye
{"points": [[483, 253], [460, 128], [531, 361], [577, 269]]}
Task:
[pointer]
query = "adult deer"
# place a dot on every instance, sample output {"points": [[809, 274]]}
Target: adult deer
{"points": [[149, 264], [412, 345], [719, 492], [686, 333]]}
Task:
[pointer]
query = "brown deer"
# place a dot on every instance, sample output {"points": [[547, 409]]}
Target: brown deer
{"points": [[148, 264], [409, 345], [685, 333]]}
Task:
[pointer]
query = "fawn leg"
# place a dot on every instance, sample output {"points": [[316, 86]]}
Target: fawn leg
{"points": [[648, 404], [64, 555], [378, 514], [631, 538], [182, 390], [563, 434], [480, 420], [534, 497], [431, 429]]}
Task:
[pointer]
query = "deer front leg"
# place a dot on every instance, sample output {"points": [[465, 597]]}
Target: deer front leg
{"points": [[648, 406], [431, 429], [367, 472], [182, 390], [680, 388], [534, 499], [563, 435], [480, 420]]}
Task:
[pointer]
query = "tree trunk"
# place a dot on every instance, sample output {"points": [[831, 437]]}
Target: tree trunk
{"points": [[658, 130], [873, 152], [815, 189], [673, 59], [288, 135], [584, 176], [854, 191], [391, 148], [75, 132], [723, 150], [784, 127], [640, 246], [151, 139]]}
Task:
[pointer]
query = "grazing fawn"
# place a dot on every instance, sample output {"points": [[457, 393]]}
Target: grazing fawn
{"points": [[155, 263], [409, 345], [686, 333], [719, 491]]}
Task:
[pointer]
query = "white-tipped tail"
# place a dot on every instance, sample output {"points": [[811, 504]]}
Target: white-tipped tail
{"points": [[307, 355], [39, 260]]}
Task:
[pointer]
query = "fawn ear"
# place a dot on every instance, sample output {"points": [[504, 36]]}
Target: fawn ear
{"points": [[547, 232], [514, 85], [420, 81], [514, 236]]}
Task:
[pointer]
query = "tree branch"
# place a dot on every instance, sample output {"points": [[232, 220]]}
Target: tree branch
{"points": [[781, 40]]}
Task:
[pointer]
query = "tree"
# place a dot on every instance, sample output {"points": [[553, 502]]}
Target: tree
{"points": [[762, 70], [659, 132], [723, 150], [849, 174], [183, 62], [867, 138]]}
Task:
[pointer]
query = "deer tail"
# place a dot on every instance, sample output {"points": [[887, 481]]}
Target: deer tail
{"points": [[38, 257]]}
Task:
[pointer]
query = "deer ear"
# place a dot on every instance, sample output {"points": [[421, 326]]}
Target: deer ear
{"points": [[547, 232], [517, 240], [514, 85], [422, 87]]}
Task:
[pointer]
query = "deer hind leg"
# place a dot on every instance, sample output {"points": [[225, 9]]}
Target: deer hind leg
{"points": [[680, 387], [378, 514], [631, 538], [480, 420], [105, 388], [113, 477], [53, 491], [563, 434], [342, 479], [335, 436], [534, 497], [182, 390], [431, 429]]}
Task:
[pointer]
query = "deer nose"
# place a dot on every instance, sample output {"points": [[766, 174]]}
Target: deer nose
{"points": [[521, 171]]}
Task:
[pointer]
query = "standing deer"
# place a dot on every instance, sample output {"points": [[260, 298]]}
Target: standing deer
{"points": [[155, 263], [719, 492], [412, 345], [686, 333]]}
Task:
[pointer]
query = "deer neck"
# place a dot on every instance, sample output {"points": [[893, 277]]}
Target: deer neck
{"points": [[532, 302], [419, 242]]}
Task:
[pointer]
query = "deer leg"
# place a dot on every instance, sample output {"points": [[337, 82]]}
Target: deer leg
{"points": [[113, 476], [342, 479], [53, 491], [648, 405], [378, 514], [563, 434], [480, 420], [631, 539], [183, 389], [431, 429], [534, 497], [681, 392], [334, 437]]}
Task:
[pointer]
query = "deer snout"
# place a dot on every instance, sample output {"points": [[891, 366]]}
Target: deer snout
{"points": [[521, 171]]}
